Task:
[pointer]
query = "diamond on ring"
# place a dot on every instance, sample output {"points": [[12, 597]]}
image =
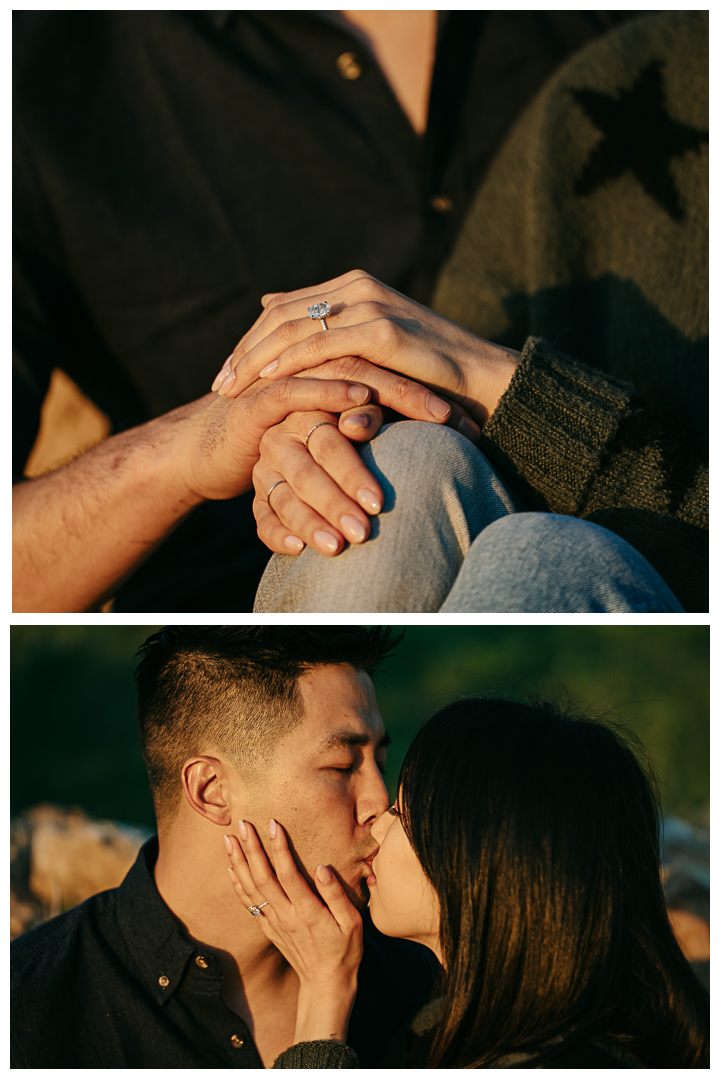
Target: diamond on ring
{"points": [[319, 311], [256, 910]]}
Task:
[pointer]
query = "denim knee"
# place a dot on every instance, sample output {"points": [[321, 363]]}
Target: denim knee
{"points": [[538, 562], [417, 460]]}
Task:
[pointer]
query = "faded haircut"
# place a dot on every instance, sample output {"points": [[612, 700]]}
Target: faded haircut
{"points": [[233, 690]]}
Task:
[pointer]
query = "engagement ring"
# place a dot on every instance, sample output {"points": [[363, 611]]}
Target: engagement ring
{"points": [[319, 311]]}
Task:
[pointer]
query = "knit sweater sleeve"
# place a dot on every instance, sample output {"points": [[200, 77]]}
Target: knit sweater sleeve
{"points": [[579, 442], [323, 1054]]}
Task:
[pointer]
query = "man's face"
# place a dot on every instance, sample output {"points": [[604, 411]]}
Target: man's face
{"points": [[324, 785]]}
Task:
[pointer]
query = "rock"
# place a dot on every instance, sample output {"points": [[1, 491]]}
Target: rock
{"points": [[59, 857]]}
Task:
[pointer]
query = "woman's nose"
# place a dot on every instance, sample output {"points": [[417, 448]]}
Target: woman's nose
{"points": [[381, 826]]}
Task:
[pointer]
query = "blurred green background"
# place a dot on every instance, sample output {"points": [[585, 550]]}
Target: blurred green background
{"points": [[73, 738]]}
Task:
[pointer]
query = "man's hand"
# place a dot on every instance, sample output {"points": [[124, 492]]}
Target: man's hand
{"points": [[374, 322], [219, 453], [79, 531]]}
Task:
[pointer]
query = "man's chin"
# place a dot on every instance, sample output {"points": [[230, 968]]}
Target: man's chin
{"points": [[358, 894], [361, 899]]}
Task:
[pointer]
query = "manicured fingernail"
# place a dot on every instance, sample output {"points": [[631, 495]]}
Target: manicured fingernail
{"points": [[225, 386], [243, 829], [228, 845], [359, 419], [220, 377], [326, 540], [231, 872], [369, 500], [355, 528], [358, 394], [324, 874], [266, 370], [469, 428], [294, 542], [272, 828], [439, 408]]}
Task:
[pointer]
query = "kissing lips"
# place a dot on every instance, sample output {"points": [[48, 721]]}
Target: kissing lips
{"points": [[371, 879]]}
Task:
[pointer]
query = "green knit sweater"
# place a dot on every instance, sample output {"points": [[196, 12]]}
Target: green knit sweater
{"points": [[586, 248], [411, 1046]]}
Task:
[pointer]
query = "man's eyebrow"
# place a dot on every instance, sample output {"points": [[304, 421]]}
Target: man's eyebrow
{"points": [[341, 739]]}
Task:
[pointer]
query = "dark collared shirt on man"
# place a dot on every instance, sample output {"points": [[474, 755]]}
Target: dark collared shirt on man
{"points": [[116, 984], [172, 166]]}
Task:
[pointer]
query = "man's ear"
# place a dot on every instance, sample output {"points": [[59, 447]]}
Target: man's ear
{"points": [[205, 789]]}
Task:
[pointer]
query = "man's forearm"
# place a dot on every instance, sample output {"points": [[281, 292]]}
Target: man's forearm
{"points": [[79, 532]]}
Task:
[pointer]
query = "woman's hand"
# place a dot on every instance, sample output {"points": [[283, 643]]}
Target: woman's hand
{"points": [[329, 493], [320, 938], [373, 322]]}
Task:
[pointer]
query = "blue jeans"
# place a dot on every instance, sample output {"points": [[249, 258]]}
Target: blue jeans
{"points": [[451, 539]]}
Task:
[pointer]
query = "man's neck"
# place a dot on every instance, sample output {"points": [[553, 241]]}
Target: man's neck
{"points": [[258, 983], [403, 44], [191, 877]]}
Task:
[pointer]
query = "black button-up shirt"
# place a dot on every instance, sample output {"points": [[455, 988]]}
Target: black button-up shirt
{"points": [[172, 166], [115, 984]]}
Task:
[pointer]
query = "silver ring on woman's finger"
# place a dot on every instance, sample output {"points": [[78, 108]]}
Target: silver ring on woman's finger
{"points": [[256, 909], [320, 311], [321, 424], [276, 484]]}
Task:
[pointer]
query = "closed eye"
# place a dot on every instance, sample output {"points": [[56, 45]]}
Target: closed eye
{"points": [[349, 768]]}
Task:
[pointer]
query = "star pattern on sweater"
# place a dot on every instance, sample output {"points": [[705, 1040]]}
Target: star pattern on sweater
{"points": [[640, 137]]}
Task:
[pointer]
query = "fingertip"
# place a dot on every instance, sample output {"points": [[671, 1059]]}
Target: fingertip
{"points": [[360, 427], [227, 385], [324, 874], [359, 394], [294, 543], [222, 374], [438, 408], [370, 501], [272, 828], [469, 429], [233, 875]]}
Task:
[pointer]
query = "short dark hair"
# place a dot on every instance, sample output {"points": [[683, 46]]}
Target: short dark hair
{"points": [[233, 689], [538, 829]]}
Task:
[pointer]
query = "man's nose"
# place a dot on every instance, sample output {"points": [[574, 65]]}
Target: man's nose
{"points": [[373, 799]]}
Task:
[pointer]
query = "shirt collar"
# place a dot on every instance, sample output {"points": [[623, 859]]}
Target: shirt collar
{"points": [[153, 934]]}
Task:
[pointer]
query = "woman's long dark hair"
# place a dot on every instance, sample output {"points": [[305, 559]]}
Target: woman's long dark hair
{"points": [[540, 833]]}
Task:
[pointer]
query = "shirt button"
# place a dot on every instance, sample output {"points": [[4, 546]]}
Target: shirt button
{"points": [[237, 1041], [441, 204], [164, 981], [201, 962], [348, 66]]}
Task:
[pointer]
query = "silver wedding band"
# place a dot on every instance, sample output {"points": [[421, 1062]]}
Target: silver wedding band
{"points": [[321, 424], [256, 909], [276, 484]]}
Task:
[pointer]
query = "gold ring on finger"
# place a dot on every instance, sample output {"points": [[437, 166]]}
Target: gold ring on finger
{"points": [[276, 484], [256, 909], [321, 424]]}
